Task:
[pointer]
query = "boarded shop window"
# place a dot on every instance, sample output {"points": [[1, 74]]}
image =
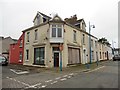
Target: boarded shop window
{"points": [[73, 56]]}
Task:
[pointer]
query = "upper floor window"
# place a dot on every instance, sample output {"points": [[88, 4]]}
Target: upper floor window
{"points": [[36, 34], [21, 42], [92, 55], [100, 55], [56, 30], [27, 54], [38, 20], [83, 38], [74, 35], [96, 44], [91, 42], [20, 56], [28, 36]]}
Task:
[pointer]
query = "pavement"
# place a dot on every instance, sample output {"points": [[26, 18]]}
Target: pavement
{"points": [[55, 70]]}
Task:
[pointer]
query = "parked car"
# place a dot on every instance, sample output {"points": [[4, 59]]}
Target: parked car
{"points": [[3, 60], [116, 58]]}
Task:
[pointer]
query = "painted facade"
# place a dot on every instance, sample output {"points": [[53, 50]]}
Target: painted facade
{"points": [[16, 51], [43, 43]]}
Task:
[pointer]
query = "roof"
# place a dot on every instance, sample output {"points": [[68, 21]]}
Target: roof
{"points": [[57, 19], [39, 13]]}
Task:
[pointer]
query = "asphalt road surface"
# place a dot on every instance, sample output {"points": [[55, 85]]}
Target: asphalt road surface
{"points": [[104, 76]]}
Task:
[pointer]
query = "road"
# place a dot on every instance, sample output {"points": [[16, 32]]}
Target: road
{"points": [[104, 76]]}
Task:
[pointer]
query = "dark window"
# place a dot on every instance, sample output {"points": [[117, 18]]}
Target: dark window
{"points": [[53, 32], [44, 19], [28, 35], [91, 43], [36, 34], [77, 25], [74, 35], [100, 55], [83, 38], [20, 57], [96, 44], [27, 54], [21, 42], [92, 55], [39, 56], [59, 32]]}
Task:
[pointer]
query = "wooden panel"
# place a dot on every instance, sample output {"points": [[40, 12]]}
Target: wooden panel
{"points": [[73, 56]]}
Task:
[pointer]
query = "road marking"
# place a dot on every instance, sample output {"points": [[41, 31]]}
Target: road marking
{"points": [[22, 72], [54, 82], [34, 86], [69, 77], [43, 86], [48, 81], [71, 74], [95, 69], [58, 78], [63, 79], [18, 81], [65, 75]]}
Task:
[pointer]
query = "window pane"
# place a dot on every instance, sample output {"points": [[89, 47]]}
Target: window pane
{"points": [[53, 32], [74, 35], [39, 55], [36, 31], [27, 54], [59, 32], [20, 57], [28, 36], [83, 39]]}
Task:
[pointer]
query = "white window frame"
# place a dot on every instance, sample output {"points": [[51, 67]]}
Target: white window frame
{"points": [[21, 43], [74, 36], [51, 26]]}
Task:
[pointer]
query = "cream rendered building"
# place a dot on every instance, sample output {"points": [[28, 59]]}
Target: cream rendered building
{"points": [[43, 42]]}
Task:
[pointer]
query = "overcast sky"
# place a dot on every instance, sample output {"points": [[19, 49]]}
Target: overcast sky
{"points": [[18, 15]]}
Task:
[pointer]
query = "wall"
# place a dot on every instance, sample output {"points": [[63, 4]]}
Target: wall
{"points": [[42, 40], [14, 52]]}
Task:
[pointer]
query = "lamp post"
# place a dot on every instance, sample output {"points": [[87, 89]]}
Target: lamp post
{"points": [[61, 48], [113, 46], [90, 40]]}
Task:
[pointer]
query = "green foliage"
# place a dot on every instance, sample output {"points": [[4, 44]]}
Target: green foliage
{"points": [[104, 41]]}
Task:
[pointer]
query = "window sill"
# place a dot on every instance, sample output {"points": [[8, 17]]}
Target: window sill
{"points": [[39, 64], [20, 46], [35, 41], [27, 42], [75, 41], [26, 60]]}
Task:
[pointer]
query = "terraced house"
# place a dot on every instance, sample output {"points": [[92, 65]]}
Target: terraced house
{"points": [[52, 40]]}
